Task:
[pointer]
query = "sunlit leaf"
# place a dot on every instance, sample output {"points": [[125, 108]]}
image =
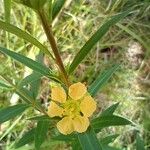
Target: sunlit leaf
{"points": [[4, 85], [24, 35], [7, 6], [109, 139], [36, 66], [11, 112], [95, 38]]}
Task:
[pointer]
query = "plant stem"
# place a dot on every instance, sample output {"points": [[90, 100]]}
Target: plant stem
{"points": [[48, 30]]}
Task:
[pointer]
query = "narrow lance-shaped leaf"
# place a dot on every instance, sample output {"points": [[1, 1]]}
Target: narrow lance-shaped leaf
{"points": [[107, 147], [7, 6], [67, 138], [88, 140], [102, 79], [29, 79], [109, 139], [11, 112], [107, 121], [28, 137], [110, 110], [94, 39], [35, 86], [40, 133], [25, 95], [135, 36], [41, 118], [49, 11], [139, 143], [22, 34], [56, 8], [36, 66], [75, 145]]}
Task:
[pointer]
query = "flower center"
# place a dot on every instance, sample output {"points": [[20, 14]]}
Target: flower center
{"points": [[71, 108]]}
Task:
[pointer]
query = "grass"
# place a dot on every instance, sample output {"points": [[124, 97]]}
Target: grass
{"points": [[75, 25]]}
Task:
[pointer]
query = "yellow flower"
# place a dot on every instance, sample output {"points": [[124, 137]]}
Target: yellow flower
{"points": [[74, 108]]}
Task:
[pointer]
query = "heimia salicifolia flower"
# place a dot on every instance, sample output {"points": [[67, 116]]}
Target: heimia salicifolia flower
{"points": [[73, 108]]}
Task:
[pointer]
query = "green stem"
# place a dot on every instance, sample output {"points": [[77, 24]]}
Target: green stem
{"points": [[48, 30]]}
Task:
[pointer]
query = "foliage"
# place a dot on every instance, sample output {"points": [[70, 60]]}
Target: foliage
{"points": [[28, 88]]}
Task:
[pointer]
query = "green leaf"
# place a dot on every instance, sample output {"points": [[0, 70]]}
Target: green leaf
{"points": [[109, 139], [25, 95], [57, 6], [47, 145], [33, 79], [95, 38], [106, 147], [107, 121], [66, 138], [75, 145], [35, 86], [4, 85], [26, 138], [135, 36], [40, 118], [102, 79], [139, 143], [11, 112], [36, 66], [7, 6], [88, 140], [30, 79], [35, 4], [22, 34], [40, 133], [110, 110]]}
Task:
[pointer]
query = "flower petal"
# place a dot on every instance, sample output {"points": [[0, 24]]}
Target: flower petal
{"points": [[58, 94], [77, 90], [54, 110], [80, 123], [65, 126], [88, 106]]}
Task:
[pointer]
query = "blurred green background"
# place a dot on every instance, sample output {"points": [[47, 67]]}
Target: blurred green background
{"points": [[127, 43]]}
